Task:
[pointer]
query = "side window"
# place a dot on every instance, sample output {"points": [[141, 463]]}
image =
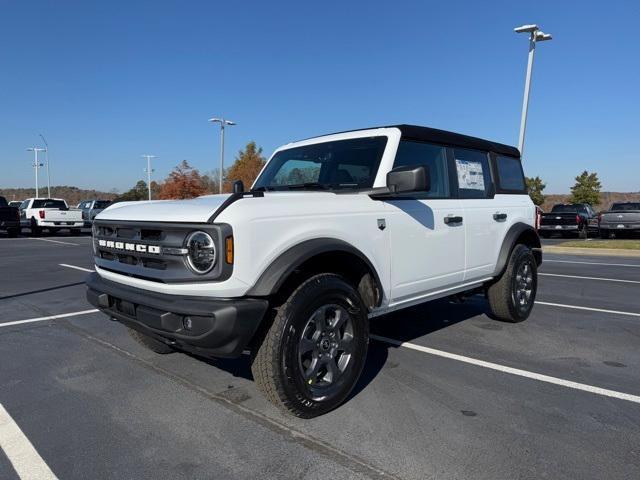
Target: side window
{"points": [[510, 175], [474, 175], [24, 205], [432, 156]]}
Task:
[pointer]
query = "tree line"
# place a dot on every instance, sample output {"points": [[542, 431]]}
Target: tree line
{"points": [[184, 181], [586, 189]]}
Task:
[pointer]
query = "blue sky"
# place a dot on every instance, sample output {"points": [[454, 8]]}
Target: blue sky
{"points": [[108, 81]]}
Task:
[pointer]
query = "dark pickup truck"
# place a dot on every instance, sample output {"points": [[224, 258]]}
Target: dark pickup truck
{"points": [[9, 218], [569, 219], [621, 218]]}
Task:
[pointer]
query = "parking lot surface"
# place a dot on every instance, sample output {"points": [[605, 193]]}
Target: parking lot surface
{"points": [[447, 392]]}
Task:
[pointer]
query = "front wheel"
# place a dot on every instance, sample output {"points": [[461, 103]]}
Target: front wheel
{"points": [[312, 355], [511, 298]]}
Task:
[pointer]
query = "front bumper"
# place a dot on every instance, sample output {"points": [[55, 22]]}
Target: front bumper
{"points": [[218, 327]]}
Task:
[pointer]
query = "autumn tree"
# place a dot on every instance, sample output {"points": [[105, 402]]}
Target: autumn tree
{"points": [[183, 182], [586, 189], [246, 167], [535, 186]]}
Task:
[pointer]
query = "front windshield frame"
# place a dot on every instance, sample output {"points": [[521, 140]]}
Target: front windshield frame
{"points": [[329, 155]]}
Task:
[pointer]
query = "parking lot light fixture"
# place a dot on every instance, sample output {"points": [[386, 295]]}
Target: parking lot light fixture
{"points": [[36, 164], [223, 123], [149, 170], [535, 35], [46, 155]]}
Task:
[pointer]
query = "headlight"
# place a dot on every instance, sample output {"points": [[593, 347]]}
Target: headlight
{"points": [[202, 252]]}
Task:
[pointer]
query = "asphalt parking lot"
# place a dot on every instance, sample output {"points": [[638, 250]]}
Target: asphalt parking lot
{"points": [[463, 397]]}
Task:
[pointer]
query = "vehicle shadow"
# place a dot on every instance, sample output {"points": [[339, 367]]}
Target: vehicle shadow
{"points": [[405, 325], [42, 290]]}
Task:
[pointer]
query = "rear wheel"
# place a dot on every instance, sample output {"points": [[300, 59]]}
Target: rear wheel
{"points": [[149, 343], [511, 298], [35, 229], [311, 357]]}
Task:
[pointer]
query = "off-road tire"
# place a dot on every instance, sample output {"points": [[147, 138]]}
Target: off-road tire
{"points": [[275, 360], [152, 344], [502, 293]]}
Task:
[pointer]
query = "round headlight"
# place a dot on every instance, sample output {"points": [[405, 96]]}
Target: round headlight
{"points": [[202, 252]]}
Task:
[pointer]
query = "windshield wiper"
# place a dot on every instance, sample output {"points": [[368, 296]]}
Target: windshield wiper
{"points": [[309, 186]]}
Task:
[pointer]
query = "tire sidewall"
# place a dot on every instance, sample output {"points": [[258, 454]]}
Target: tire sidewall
{"points": [[520, 255], [331, 290]]}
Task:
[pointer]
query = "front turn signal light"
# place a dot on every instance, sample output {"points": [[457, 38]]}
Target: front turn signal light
{"points": [[228, 243]]}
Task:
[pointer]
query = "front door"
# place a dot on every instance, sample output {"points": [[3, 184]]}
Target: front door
{"points": [[426, 229]]}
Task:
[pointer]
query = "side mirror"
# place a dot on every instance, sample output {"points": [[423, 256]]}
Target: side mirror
{"points": [[238, 186], [410, 178]]}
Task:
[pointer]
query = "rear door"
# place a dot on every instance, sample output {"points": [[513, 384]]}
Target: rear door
{"points": [[426, 229]]}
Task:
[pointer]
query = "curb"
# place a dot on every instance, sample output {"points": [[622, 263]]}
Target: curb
{"points": [[592, 251]]}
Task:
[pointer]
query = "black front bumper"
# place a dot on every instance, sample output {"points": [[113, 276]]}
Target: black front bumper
{"points": [[215, 327]]}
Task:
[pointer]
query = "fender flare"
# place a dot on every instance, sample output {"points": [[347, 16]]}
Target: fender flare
{"points": [[287, 262], [516, 230]]}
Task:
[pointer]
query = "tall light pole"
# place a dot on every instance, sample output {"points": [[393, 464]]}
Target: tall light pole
{"points": [[223, 123], [149, 157], [46, 157], [535, 35], [36, 164]]}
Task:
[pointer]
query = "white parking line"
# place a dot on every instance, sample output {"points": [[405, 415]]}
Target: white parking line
{"points": [[511, 370], [546, 260], [82, 269], [588, 278], [26, 461], [53, 241], [590, 309], [51, 317]]}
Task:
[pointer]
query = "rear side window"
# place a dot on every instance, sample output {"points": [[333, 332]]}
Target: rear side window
{"points": [[474, 174], [432, 156], [510, 175]]}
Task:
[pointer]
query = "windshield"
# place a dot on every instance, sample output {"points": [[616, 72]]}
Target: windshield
{"points": [[59, 204], [340, 164], [625, 206], [101, 204]]}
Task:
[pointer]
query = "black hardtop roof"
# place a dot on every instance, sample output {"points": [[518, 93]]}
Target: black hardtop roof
{"points": [[427, 134]]}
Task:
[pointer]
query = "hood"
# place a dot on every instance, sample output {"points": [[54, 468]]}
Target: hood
{"points": [[196, 210]]}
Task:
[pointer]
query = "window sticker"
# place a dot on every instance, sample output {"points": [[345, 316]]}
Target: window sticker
{"points": [[470, 175]]}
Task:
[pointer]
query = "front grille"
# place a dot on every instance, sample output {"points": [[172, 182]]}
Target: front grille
{"points": [[148, 250]]}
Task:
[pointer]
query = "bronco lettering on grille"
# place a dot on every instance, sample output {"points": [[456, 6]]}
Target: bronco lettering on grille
{"points": [[132, 247]]}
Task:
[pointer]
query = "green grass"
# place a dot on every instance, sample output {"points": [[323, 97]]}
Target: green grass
{"points": [[613, 244]]}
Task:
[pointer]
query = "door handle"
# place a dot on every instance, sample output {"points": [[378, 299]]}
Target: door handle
{"points": [[450, 220], [499, 216]]}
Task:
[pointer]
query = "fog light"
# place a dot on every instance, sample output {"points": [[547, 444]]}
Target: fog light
{"points": [[187, 323]]}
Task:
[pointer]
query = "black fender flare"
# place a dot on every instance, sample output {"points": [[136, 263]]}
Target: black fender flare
{"points": [[287, 262], [513, 234]]}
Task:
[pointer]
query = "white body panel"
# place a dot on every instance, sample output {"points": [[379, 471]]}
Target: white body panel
{"points": [[416, 257]]}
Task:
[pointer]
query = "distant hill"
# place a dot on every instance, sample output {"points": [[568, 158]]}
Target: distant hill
{"points": [[606, 199], [73, 195]]}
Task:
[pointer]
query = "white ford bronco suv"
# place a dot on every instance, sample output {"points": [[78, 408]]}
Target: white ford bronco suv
{"points": [[335, 230]]}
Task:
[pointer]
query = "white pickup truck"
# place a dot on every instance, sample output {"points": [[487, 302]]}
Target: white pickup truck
{"points": [[50, 213], [335, 230]]}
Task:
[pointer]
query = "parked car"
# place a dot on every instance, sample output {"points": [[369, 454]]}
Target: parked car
{"points": [[569, 219], [336, 230], [9, 218], [50, 213], [91, 208], [623, 217], [15, 203]]}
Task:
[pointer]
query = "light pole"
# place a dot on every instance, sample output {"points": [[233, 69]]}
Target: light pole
{"points": [[36, 165], [223, 123], [535, 35], [46, 157], [149, 157]]}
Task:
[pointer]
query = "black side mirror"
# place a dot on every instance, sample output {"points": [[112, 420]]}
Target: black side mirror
{"points": [[410, 178], [238, 186]]}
